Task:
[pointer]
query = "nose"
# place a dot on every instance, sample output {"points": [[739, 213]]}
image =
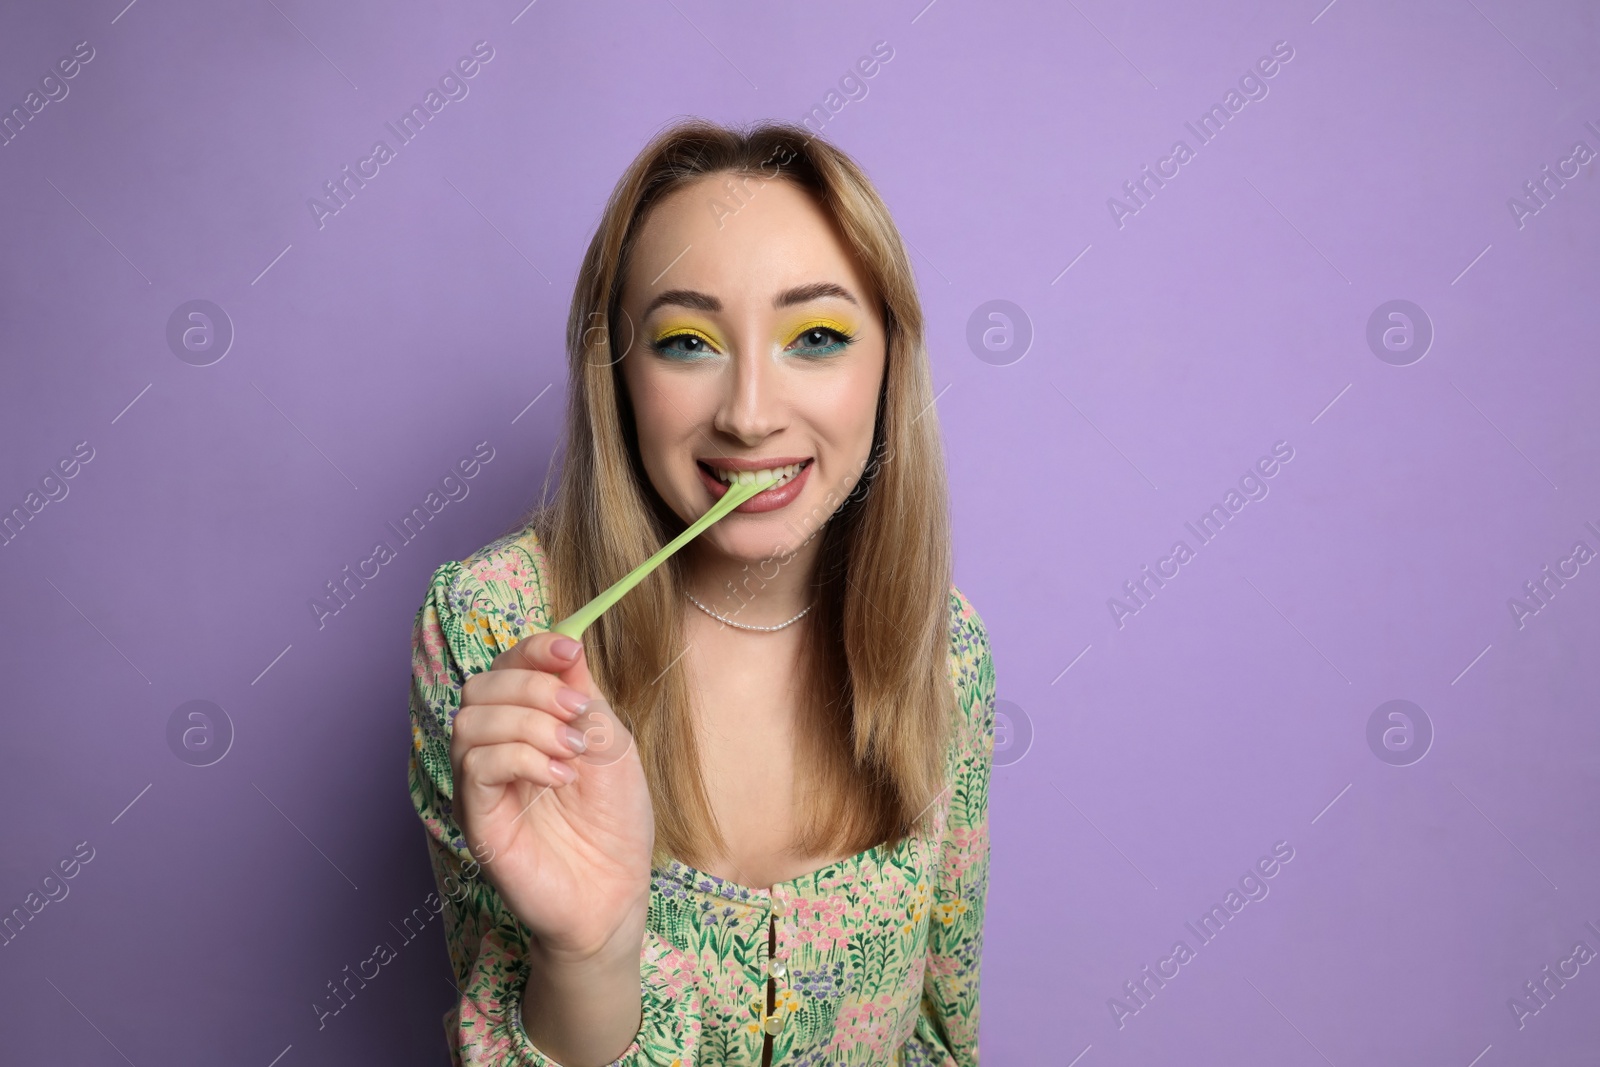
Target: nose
{"points": [[751, 407]]}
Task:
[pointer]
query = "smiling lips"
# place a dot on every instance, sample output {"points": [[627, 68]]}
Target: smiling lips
{"points": [[788, 475]]}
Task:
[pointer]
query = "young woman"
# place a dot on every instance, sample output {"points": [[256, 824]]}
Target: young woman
{"points": [[746, 821]]}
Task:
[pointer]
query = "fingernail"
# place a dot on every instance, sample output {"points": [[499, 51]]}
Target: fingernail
{"points": [[571, 699], [561, 772], [574, 739], [564, 648]]}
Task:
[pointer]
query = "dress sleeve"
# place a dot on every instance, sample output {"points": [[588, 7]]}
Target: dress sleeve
{"points": [[946, 1032], [458, 631]]}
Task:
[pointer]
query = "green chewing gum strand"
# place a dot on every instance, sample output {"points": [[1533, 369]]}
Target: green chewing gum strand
{"points": [[580, 620]]}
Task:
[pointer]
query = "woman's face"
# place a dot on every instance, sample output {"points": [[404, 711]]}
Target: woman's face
{"points": [[756, 343]]}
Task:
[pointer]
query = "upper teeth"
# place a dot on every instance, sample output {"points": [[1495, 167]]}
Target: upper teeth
{"points": [[775, 475]]}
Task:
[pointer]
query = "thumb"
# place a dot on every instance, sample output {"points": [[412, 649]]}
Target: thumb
{"points": [[577, 675], [554, 654]]}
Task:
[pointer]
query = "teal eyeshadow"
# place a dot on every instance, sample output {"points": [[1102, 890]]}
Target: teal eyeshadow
{"points": [[665, 348], [827, 350], [666, 351]]}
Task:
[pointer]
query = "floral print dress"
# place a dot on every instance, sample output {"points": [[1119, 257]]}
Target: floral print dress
{"points": [[869, 960]]}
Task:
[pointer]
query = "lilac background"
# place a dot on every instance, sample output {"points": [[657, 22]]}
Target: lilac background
{"points": [[1229, 313]]}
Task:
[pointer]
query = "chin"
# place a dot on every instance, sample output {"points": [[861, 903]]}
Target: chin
{"points": [[757, 538]]}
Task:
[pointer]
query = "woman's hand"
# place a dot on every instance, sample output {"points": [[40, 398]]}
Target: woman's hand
{"points": [[570, 857]]}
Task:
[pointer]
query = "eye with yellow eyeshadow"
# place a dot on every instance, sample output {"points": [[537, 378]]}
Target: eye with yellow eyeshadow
{"points": [[683, 343], [817, 338]]}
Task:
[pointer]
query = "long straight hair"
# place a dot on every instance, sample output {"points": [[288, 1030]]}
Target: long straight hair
{"points": [[870, 757]]}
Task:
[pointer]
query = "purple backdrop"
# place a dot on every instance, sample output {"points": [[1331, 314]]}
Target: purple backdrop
{"points": [[1377, 256]]}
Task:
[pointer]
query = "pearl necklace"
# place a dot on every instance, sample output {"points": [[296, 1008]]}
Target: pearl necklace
{"points": [[744, 626]]}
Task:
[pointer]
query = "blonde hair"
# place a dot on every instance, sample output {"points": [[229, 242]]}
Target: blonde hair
{"points": [[870, 755]]}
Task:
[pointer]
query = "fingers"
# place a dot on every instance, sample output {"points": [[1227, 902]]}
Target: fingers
{"points": [[553, 654], [606, 739], [488, 725], [492, 767], [528, 688]]}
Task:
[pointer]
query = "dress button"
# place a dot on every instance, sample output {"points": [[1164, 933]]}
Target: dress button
{"points": [[773, 1024], [779, 905], [776, 968]]}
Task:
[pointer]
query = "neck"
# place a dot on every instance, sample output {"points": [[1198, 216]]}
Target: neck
{"points": [[763, 593]]}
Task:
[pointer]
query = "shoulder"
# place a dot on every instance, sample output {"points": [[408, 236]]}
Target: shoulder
{"points": [[497, 593], [970, 654], [971, 666]]}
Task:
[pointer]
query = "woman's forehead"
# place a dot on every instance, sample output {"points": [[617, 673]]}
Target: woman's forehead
{"points": [[702, 237]]}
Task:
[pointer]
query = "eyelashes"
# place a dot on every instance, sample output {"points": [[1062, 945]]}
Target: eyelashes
{"points": [[813, 341], [820, 333], [696, 345]]}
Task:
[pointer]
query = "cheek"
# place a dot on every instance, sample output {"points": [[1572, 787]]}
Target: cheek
{"points": [[645, 398], [844, 408], [858, 401], [668, 409]]}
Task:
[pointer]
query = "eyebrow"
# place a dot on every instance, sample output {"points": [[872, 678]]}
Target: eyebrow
{"points": [[800, 294]]}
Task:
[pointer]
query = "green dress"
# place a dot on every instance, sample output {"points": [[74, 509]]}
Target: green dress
{"points": [[877, 956]]}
